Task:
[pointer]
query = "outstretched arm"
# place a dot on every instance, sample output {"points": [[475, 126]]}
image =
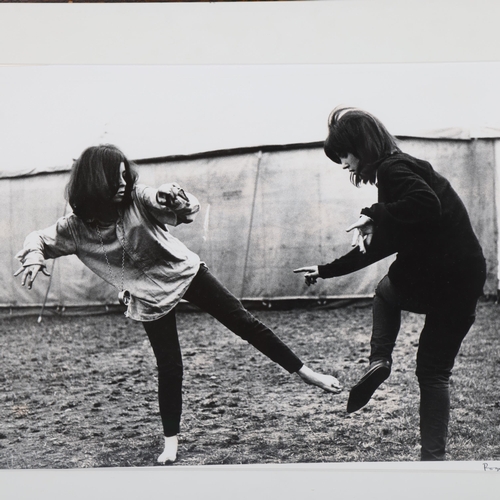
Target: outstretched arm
{"points": [[50, 243], [370, 247]]}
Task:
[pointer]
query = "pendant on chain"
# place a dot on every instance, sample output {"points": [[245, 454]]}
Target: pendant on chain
{"points": [[124, 296]]}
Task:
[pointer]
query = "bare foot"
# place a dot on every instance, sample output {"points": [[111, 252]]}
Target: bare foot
{"points": [[325, 382], [170, 452]]}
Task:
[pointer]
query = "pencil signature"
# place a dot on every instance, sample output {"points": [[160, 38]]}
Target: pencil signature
{"points": [[488, 467]]}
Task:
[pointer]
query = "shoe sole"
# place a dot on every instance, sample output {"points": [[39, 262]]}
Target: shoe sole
{"points": [[362, 392]]}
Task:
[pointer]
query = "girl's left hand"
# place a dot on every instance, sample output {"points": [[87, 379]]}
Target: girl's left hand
{"points": [[311, 274], [363, 233], [171, 195]]}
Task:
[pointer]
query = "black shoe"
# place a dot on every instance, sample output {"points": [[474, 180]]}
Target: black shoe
{"points": [[362, 392]]}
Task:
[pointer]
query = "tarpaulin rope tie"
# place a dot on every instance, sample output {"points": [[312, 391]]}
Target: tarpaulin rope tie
{"points": [[259, 158], [39, 320]]}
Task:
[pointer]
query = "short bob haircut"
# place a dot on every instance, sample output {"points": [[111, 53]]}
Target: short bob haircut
{"points": [[94, 181], [352, 130]]}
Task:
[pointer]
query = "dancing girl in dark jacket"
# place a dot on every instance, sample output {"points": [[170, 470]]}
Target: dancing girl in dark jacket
{"points": [[439, 270]]}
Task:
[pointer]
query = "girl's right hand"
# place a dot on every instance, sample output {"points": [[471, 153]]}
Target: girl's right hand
{"points": [[30, 273], [311, 274], [363, 232]]}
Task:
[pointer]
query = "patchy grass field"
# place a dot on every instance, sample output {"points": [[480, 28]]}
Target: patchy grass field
{"points": [[81, 392]]}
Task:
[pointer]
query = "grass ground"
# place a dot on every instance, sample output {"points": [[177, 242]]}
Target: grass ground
{"points": [[81, 392]]}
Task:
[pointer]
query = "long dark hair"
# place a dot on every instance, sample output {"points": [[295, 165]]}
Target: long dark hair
{"points": [[94, 180], [352, 130]]}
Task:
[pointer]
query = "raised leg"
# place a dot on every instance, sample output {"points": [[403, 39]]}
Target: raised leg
{"points": [[211, 296]]}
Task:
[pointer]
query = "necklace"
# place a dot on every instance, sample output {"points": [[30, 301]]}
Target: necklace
{"points": [[124, 296]]}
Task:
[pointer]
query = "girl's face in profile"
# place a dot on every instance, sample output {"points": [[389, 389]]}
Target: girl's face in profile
{"points": [[122, 184], [349, 162]]}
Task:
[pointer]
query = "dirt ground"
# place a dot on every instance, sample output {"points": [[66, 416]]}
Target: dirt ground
{"points": [[81, 392]]}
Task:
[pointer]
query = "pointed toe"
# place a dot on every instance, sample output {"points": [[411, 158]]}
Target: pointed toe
{"points": [[362, 392]]}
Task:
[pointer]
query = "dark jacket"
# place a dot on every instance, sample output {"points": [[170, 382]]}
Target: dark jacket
{"points": [[420, 217]]}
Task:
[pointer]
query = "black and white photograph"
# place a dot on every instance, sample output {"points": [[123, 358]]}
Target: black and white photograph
{"points": [[230, 265]]}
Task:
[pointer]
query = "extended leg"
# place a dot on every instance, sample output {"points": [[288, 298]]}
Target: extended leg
{"points": [[386, 321], [211, 296], [386, 324]]}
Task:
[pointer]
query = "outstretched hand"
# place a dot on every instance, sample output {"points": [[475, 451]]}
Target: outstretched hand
{"points": [[30, 273], [363, 233], [311, 274]]}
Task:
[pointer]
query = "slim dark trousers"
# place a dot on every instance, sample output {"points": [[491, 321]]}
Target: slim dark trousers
{"points": [[446, 325], [211, 296]]}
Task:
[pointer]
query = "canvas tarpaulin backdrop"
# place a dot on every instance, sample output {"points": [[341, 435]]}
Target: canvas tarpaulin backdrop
{"points": [[264, 212]]}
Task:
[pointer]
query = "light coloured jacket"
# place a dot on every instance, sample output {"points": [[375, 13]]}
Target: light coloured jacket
{"points": [[158, 267]]}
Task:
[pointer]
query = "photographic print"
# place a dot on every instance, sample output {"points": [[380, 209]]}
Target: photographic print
{"points": [[247, 143], [279, 272]]}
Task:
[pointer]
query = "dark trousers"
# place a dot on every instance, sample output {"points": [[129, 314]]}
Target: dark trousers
{"points": [[447, 322], [211, 296]]}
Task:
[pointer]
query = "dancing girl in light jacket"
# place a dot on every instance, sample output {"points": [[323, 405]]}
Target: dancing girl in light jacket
{"points": [[118, 229]]}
